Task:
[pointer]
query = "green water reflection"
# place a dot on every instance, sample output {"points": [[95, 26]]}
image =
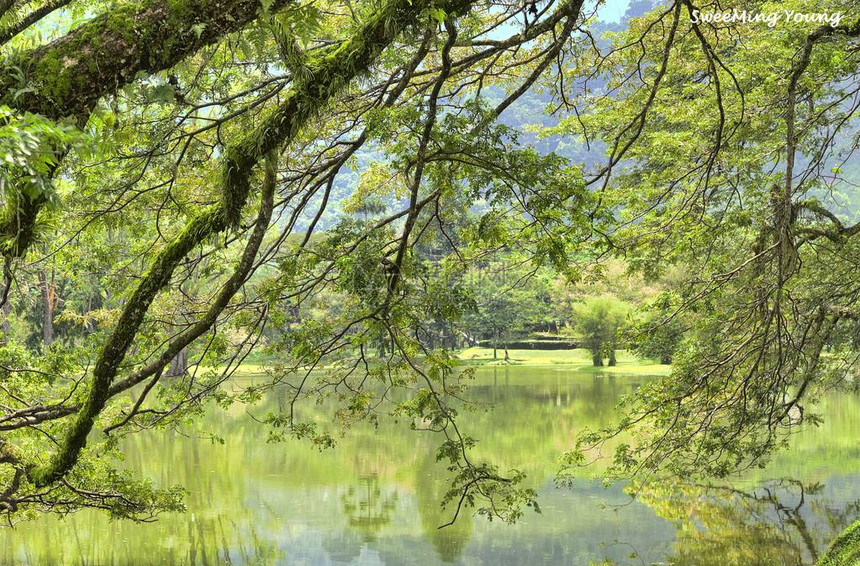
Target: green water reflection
{"points": [[374, 499]]}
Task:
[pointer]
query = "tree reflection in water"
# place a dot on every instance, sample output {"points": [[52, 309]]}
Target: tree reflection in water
{"points": [[367, 507], [375, 499], [781, 521], [430, 488]]}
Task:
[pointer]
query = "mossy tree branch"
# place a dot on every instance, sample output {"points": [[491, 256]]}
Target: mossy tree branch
{"points": [[244, 268], [73, 72], [331, 73], [845, 549]]}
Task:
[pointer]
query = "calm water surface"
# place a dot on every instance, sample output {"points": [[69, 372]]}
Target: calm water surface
{"points": [[374, 499]]}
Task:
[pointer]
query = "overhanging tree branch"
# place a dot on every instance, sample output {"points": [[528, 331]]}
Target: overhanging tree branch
{"points": [[331, 73], [73, 72]]}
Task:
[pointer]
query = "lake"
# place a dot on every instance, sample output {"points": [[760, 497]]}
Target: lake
{"points": [[374, 499]]}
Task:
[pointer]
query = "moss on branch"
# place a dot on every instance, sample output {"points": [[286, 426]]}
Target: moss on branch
{"points": [[331, 73], [68, 76], [73, 72], [845, 549]]}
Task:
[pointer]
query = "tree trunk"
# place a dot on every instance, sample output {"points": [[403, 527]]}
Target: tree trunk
{"points": [[89, 326], [179, 365], [6, 313], [597, 359], [47, 284], [507, 357], [7, 305], [612, 360]]}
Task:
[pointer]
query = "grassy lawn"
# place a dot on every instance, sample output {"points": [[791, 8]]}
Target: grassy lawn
{"points": [[579, 359]]}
